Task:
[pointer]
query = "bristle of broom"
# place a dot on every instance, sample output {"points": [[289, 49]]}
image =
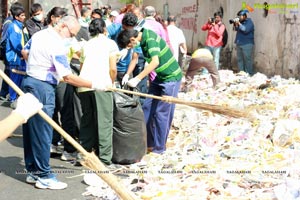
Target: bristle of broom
{"points": [[221, 110]]}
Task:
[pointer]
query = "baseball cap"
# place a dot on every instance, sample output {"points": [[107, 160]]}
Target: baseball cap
{"points": [[114, 13], [242, 12]]}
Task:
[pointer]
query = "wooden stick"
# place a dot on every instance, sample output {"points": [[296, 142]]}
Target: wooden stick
{"points": [[199, 105], [93, 162], [18, 72]]}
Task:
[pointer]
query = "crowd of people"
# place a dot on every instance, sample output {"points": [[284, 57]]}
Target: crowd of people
{"points": [[67, 67]]}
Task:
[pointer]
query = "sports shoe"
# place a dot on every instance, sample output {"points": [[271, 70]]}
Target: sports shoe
{"points": [[54, 149], [68, 156], [50, 183], [13, 104], [79, 158], [2, 98], [31, 179]]}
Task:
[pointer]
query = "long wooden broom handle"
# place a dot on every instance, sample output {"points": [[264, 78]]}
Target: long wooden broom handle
{"points": [[45, 116], [110, 179], [162, 98]]}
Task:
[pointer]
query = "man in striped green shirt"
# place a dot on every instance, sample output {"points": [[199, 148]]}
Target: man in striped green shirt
{"points": [[158, 114]]}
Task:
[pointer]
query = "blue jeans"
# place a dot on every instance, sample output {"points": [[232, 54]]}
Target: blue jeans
{"points": [[37, 133], [159, 114], [215, 51], [245, 58]]}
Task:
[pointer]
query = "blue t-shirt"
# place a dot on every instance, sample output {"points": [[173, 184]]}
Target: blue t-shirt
{"points": [[245, 33]]}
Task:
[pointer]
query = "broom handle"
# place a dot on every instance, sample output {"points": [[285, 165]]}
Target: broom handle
{"points": [[138, 94], [45, 116], [118, 189]]}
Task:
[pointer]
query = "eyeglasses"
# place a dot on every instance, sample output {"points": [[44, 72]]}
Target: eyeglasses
{"points": [[71, 34]]}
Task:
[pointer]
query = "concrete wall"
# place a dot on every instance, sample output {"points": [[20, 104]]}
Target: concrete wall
{"points": [[277, 44]]}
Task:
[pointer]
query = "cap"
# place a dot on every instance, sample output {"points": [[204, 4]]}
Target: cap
{"points": [[114, 13], [242, 12]]}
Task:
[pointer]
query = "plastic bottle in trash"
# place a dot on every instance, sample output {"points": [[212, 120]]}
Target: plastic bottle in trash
{"points": [[283, 140]]}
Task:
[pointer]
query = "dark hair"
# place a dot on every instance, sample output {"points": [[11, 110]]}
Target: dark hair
{"points": [[128, 8], [84, 10], [124, 36], [17, 11], [15, 5], [219, 13], [129, 19], [35, 8], [105, 9], [171, 18], [97, 11], [56, 12], [96, 27], [160, 20]]}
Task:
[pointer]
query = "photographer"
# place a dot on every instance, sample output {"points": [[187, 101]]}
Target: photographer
{"points": [[244, 41], [215, 29]]}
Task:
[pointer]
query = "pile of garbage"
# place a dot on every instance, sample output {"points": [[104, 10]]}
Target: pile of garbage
{"points": [[212, 156]]}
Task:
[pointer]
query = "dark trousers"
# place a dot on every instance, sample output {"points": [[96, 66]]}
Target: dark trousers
{"points": [[96, 127], [159, 114], [17, 79], [67, 105], [37, 133], [4, 87], [143, 85]]}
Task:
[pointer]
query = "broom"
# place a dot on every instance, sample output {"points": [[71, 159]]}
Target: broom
{"points": [[91, 161], [204, 106]]}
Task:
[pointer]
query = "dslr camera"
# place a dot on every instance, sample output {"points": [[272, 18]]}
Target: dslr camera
{"points": [[234, 20], [212, 20]]}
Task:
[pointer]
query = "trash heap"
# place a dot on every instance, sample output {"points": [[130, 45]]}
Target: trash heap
{"points": [[211, 156]]}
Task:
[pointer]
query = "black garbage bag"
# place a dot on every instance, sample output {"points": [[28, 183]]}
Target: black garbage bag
{"points": [[129, 130]]}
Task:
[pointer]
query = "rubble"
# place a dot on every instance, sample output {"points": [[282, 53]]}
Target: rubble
{"points": [[210, 156]]}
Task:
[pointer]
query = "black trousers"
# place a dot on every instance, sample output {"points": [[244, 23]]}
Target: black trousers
{"points": [[68, 110]]}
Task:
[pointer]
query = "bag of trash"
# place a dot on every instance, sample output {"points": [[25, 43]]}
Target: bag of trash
{"points": [[129, 130]]}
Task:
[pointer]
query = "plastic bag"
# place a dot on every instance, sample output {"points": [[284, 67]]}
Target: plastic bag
{"points": [[129, 130]]}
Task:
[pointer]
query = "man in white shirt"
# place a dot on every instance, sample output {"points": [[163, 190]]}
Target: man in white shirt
{"points": [[176, 36], [47, 65]]}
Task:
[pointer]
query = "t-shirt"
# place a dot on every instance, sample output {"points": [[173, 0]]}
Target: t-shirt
{"points": [[47, 59], [95, 58], [176, 37], [153, 45]]}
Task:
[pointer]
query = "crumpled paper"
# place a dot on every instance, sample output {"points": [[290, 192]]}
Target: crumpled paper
{"points": [[210, 156]]}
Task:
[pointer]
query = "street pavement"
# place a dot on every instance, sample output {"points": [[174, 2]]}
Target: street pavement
{"points": [[12, 176]]}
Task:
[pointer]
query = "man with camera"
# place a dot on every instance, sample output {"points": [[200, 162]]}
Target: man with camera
{"points": [[214, 38], [244, 41]]}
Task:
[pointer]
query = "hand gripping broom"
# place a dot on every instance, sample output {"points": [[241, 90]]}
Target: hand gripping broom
{"points": [[91, 161], [223, 110]]}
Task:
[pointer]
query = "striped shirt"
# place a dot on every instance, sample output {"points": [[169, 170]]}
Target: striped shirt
{"points": [[152, 45]]}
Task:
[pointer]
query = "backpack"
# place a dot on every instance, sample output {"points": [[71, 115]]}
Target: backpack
{"points": [[225, 37], [3, 40], [2, 50]]}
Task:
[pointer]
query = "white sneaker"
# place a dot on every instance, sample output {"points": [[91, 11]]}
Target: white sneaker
{"points": [[55, 149], [50, 183], [68, 156], [31, 179]]}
